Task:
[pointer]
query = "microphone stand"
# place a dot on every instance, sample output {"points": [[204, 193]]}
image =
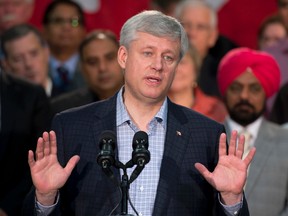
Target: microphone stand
{"points": [[124, 186], [140, 157]]}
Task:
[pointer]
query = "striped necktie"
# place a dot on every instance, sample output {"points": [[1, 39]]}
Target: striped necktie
{"points": [[247, 145]]}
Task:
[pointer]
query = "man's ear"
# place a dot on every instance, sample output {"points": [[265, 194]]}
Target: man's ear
{"points": [[122, 56]]}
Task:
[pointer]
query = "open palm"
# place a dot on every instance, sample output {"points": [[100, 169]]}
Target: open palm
{"points": [[229, 176], [47, 174]]}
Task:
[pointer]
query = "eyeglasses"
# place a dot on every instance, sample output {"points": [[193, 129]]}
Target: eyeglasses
{"points": [[59, 21], [198, 27]]}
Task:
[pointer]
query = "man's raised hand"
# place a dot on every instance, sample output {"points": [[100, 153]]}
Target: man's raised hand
{"points": [[47, 174]]}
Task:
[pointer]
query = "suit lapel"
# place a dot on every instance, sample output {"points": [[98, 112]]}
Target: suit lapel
{"points": [[105, 119], [263, 150], [172, 157]]}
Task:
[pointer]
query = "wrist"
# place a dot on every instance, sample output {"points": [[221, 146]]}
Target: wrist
{"points": [[46, 199], [230, 198]]}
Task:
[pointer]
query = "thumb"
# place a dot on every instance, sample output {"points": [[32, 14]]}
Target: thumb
{"points": [[203, 170], [71, 164]]}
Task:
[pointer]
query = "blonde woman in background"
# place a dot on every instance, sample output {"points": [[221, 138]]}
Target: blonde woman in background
{"points": [[185, 91]]}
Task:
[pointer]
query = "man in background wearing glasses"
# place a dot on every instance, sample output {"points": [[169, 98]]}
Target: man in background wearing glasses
{"points": [[64, 29]]}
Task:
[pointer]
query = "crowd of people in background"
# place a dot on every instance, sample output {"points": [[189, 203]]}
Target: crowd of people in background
{"points": [[63, 65]]}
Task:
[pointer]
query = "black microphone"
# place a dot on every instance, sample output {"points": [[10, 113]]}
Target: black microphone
{"points": [[106, 157], [140, 154]]}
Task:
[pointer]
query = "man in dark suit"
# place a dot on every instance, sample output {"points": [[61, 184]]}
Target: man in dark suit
{"points": [[64, 29], [26, 54], [24, 116], [189, 172], [101, 70]]}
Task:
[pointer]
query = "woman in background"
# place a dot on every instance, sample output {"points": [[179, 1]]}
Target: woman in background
{"points": [[184, 90]]}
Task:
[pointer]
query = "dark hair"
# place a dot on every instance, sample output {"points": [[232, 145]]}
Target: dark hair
{"points": [[280, 3], [164, 4], [54, 4], [97, 35], [19, 31], [274, 19]]}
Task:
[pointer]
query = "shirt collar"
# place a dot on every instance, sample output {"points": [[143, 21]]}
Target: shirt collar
{"points": [[70, 64], [252, 128], [48, 88], [123, 116]]}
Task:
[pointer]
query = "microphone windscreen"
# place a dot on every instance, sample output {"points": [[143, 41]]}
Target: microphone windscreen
{"points": [[140, 137], [107, 137]]}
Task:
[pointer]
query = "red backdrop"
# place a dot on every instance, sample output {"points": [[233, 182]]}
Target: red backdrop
{"points": [[112, 14], [238, 19]]}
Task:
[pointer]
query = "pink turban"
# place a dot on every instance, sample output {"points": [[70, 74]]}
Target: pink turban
{"points": [[263, 66]]}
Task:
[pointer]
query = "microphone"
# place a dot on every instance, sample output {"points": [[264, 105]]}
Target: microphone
{"points": [[106, 157], [140, 154]]}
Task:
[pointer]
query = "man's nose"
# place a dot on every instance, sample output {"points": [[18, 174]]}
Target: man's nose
{"points": [[103, 66], [28, 62], [244, 93], [157, 63]]}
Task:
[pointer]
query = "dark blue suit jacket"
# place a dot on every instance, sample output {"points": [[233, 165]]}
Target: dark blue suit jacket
{"points": [[25, 115], [181, 190]]}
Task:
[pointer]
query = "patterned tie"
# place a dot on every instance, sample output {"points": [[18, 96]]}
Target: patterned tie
{"points": [[247, 145], [63, 74]]}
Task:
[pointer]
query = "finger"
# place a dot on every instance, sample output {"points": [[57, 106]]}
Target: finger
{"points": [[31, 160], [232, 143], [222, 145], [240, 147], [40, 148], [250, 156], [71, 164], [46, 142], [203, 170], [53, 142]]}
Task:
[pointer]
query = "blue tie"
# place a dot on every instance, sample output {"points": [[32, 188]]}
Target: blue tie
{"points": [[63, 74]]}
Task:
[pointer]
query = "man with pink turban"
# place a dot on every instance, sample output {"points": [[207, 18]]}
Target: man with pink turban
{"points": [[246, 78]]}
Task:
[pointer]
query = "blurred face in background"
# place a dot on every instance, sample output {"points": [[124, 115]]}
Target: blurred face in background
{"points": [[272, 34], [65, 28], [197, 22], [186, 75], [28, 58], [13, 12], [100, 66], [245, 98], [283, 10]]}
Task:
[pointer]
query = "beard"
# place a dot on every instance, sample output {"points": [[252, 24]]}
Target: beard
{"points": [[245, 113]]}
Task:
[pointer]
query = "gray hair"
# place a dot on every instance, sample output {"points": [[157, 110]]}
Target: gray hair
{"points": [[196, 4], [154, 23]]}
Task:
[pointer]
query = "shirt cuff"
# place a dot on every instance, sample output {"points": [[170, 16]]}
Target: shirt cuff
{"points": [[45, 210], [231, 210]]}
